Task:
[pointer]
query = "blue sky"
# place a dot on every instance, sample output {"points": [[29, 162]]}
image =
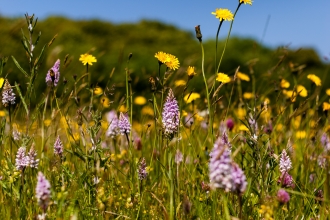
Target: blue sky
{"points": [[295, 23]]}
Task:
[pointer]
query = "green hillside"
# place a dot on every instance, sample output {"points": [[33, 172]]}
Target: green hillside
{"points": [[111, 45]]}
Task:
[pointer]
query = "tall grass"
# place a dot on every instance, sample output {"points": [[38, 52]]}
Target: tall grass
{"points": [[87, 152]]}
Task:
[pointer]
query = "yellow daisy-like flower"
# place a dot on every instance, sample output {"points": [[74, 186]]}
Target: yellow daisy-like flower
{"points": [[241, 113], [87, 59], [98, 91], [285, 84], [2, 113], [327, 92], [179, 82], [315, 79], [224, 78], [243, 128], [223, 14], [191, 71], [301, 134], [302, 91], [105, 101], [140, 100], [162, 57], [173, 62], [47, 122], [248, 95], [326, 106], [246, 2], [191, 97], [147, 110], [243, 76], [122, 108]]}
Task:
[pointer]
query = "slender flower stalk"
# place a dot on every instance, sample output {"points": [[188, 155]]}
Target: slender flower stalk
{"points": [[210, 119]]}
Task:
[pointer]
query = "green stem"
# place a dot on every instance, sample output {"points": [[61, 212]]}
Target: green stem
{"points": [[43, 122], [231, 25], [171, 184], [210, 129], [216, 45]]}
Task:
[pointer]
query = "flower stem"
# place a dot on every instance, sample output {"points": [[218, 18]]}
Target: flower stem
{"points": [[210, 129], [231, 25]]}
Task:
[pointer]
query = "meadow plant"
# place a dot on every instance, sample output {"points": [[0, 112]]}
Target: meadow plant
{"points": [[173, 151]]}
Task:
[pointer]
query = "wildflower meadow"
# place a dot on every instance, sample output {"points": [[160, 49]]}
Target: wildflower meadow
{"points": [[238, 146]]}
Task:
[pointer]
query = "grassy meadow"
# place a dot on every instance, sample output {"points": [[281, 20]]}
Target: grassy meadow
{"points": [[174, 128]]}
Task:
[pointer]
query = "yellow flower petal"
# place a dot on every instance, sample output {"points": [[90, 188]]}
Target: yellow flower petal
{"points": [[243, 76], [246, 2], [162, 57], [224, 78], [87, 59], [223, 14], [173, 62], [301, 134], [243, 128], [191, 97], [315, 79], [326, 106], [140, 100], [191, 71], [285, 84], [179, 82], [327, 92], [302, 91], [98, 91], [248, 95]]}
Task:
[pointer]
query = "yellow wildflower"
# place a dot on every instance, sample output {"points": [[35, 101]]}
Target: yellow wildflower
{"points": [[173, 62], [2, 113], [290, 94], [191, 97], [301, 134], [327, 92], [243, 76], [198, 117], [315, 79], [87, 59], [162, 57], [98, 90], [47, 122], [279, 127], [105, 101], [302, 91], [147, 110], [241, 113], [122, 108], [191, 72], [285, 84], [140, 100], [266, 211], [246, 2], [179, 82], [243, 128], [224, 78], [248, 95], [223, 14], [326, 106]]}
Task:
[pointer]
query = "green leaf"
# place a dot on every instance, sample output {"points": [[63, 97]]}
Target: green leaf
{"points": [[19, 67], [37, 40], [22, 98], [40, 56]]}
